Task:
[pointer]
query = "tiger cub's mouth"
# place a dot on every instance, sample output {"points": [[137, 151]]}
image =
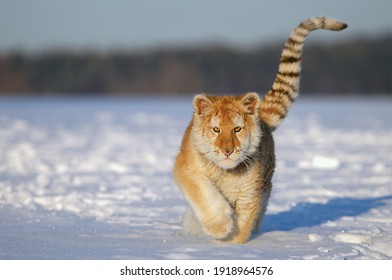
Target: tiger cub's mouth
{"points": [[228, 160]]}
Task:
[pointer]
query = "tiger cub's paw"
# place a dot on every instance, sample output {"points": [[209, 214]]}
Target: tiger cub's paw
{"points": [[219, 223]]}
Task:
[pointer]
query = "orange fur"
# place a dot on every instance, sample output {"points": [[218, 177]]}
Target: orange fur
{"points": [[223, 174]]}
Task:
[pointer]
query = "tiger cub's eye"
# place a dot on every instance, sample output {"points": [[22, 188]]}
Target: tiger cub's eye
{"points": [[216, 129], [237, 129]]}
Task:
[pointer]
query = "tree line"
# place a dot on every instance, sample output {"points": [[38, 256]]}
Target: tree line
{"points": [[361, 65]]}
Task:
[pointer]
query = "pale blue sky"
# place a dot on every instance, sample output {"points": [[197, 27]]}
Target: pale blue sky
{"points": [[38, 25]]}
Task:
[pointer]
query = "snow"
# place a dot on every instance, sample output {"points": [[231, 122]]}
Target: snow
{"points": [[91, 179]]}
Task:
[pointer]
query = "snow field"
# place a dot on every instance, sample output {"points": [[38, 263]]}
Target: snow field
{"points": [[92, 179]]}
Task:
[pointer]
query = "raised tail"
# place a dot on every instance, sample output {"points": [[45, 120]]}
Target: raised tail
{"points": [[275, 104]]}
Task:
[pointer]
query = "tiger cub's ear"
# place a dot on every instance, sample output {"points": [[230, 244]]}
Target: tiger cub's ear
{"points": [[202, 104], [251, 102]]}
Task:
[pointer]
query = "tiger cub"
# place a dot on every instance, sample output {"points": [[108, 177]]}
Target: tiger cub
{"points": [[226, 161]]}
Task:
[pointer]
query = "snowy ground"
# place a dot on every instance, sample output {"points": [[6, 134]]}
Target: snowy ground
{"points": [[91, 179]]}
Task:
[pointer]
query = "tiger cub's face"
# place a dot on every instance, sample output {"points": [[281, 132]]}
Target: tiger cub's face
{"points": [[225, 128]]}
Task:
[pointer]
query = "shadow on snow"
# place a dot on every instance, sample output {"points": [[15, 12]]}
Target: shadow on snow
{"points": [[314, 214]]}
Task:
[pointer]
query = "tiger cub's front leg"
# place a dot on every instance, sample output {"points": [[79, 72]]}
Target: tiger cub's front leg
{"points": [[248, 212], [245, 219], [209, 206]]}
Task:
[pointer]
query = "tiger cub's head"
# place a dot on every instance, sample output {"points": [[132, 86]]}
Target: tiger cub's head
{"points": [[225, 128]]}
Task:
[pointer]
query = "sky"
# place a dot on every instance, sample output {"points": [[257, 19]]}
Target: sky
{"points": [[101, 25]]}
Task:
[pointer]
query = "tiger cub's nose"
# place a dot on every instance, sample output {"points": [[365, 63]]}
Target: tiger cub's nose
{"points": [[228, 151]]}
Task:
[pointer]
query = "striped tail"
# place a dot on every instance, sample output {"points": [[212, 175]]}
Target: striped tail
{"points": [[275, 104]]}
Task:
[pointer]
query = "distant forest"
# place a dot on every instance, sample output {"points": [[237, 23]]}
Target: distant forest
{"points": [[358, 66]]}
